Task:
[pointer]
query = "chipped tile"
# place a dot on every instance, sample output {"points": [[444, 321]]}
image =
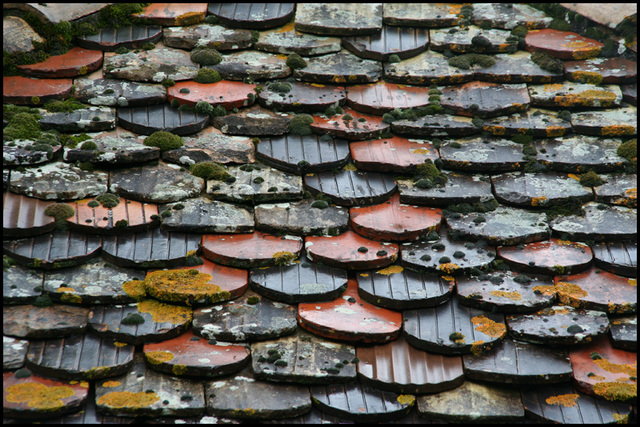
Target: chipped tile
{"points": [[228, 94], [350, 251]]}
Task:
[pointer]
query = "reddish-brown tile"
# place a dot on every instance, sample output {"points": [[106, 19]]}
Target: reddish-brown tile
{"points": [[127, 216], [76, 62], [24, 90], [553, 256], [232, 280], [350, 251], [395, 154], [54, 321], [562, 44], [24, 216], [382, 97], [226, 93], [251, 250], [357, 127], [169, 14], [610, 70]]}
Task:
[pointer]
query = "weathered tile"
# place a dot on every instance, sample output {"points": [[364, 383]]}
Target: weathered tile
{"points": [[256, 183], [253, 121], [114, 148], [393, 154], [212, 145], [480, 154], [394, 221], [265, 400], [507, 15], [79, 357], [118, 93], [575, 95], [228, 94], [201, 215], [624, 333], [144, 392], [93, 283], [610, 70], [352, 129], [617, 257], [445, 255], [126, 216], [562, 44], [54, 321], [630, 93], [518, 362], [143, 322], [174, 13], [302, 97], [452, 328], [359, 403], [248, 318], [538, 190], [92, 119], [304, 358], [110, 39], [427, 68], [458, 189], [397, 288], [20, 285], [303, 154], [349, 318], [305, 217], [252, 64], [580, 153], [54, 250], [435, 125], [421, 14], [491, 99], [558, 325], [613, 123], [24, 216], [382, 97], [186, 286], [18, 36], [150, 65], [349, 187], [146, 120], [401, 41], [251, 250], [515, 68], [287, 40], [600, 223], [76, 62], [36, 397], [191, 356], [461, 40], [258, 16], [235, 281], [212, 36], [23, 90], [535, 122], [89, 414], [350, 251], [503, 226], [341, 67], [14, 352], [553, 256], [340, 19], [506, 292], [27, 152], [150, 249]]}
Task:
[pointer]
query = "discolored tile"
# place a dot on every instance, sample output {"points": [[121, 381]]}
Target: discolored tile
{"points": [[341, 67], [146, 321], [600, 223], [575, 95], [397, 288], [538, 190], [114, 148], [201, 215], [252, 64], [54, 321], [110, 39], [426, 68], [304, 358], [14, 352], [421, 14], [146, 120], [253, 121], [624, 333], [20, 285], [150, 65], [339, 19], [211, 144], [452, 328], [24, 216], [558, 325], [354, 128], [402, 41], [461, 41], [287, 40], [610, 70], [484, 99], [174, 13], [190, 356], [303, 154], [22, 90], [118, 93], [350, 251], [382, 97], [20, 152], [459, 188], [128, 216], [350, 319], [258, 16], [235, 281], [250, 250], [630, 93], [504, 15], [473, 402], [186, 286], [393, 154], [553, 256], [518, 362], [618, 122], [580, 153], [18, 35], [302, 97], [212, 36], [302, 218], [76, 62], [394, 221], [249, 318], [228, 94], [506, 292], [351, 187], [535, 122], [479, 154], [617, 257], [435, 125], [515, 68], [79, 357], [92, 119], [564, 45]]}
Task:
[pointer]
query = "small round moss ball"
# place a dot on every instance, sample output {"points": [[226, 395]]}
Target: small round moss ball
{"points": [[164, 141], [295, 61], [59, 211], [206, 56], [207, 75]]}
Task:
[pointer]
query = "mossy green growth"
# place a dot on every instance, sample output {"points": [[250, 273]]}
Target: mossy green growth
{"points": [[394, 58], [207, 75], [295, 61], [89, 145], [206, 56], [280, 87], [60, 211], [428, 171], [299, 125], [547, 62], [164, 141], [203, 107], [22, 126], [108, 200], [464, 62], [210, 170], [629, 150], [66, 106], [591, 179], [133, 319]]}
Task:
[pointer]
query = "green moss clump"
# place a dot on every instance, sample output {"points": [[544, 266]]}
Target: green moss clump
{"points": [[22, 126], [89, 145], [66, 106], [394, 58], [42, 301], [295, 61], [133, 319], [60, 211], [148, 46], [464, 62], [168, 83], [108, 200], [564, 115], [591, 179], [429, 172], [210, 170], [203, 107], [547, 62], [629, 150], [320, 204], [207, 75], [280, 87], [206, 56], [93, 204], [481, 41], [300, 125], [164, 141], [332, 111]]}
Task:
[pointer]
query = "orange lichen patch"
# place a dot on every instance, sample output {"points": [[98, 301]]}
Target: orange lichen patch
{"points": [[183, 286], [495, 130], [406, 399], [576, 44], [620, 418], [391, 270], [489, 327], [38, 395], [111, 384], [597, 377], [554, 87], [286, 28], [120, 344], [539, 201], [553, 131], [574, 176], [421, 151], [586, 53], [571, 290], [566, 400], [189, 18], [618, 130], [448, 278], [515, 296], [632, 193], [161, 313], [616, 390], [448, 267], [158, 357], [283, 257], [615, 368], [65, 289], [633, 282], [477, 348], [127, 399], [135, 289], [179, 369]]}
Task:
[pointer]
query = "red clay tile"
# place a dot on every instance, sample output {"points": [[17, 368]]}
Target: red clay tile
{"points": [[617, 257], [350, 251], [251, 250], [484, 99], [131, 37], [24, 216], [352, 129], [303, 97], [23, 90], [232, 280], [54, 321], [553, 256], [575, 95], [169, 14], [136, 216], [392, 40], [562, 44], [393, 221], [226, 93], [258, 16], [395, 154], [611, 70], [382, 97], [192, 356], [77, 62], [349, 318]]}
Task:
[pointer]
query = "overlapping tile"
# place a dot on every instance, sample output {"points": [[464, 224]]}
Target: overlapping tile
{"points": [[24, 216], [553, 256], [201, 215], [92, 119], [479, 154], [351, 187], [301, 97], [459, 188], [170, 14], [252, 64], [23, 90], [610, 70], [421, 14], [462, 40], [505, 15], [114, 92], [339, 19], [515, 68], [356, 126], [150, 65], [24, 152], [619, 122], [113, 148], [350, 251], [301, 154], [212, 145], [535, 122], [29, 281], [538, 190], [228, 94], [251, 250], [14, 352], [565, 45], [617, 257], [485, 99], [401, 41], [580, 153], [394, 154], [129, 36], [253, 121], [436, 124], [624, 333], [127, 216], [601, 222], [383, 97], [306, 217], [286, 40], [161, 117], [252, 15], [212, 36], [76, 62], [44, 321], [341, 67], [575, 95], [429, 67]]}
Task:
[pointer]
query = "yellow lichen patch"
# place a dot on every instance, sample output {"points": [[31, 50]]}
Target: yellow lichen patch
{"points": [[189, 18], [135, 289], [283, 257], [179, 369], [489, 327], [477, 348], [597, 378], [350, 167], [391, 270], [545, 290], [286, 28], [316, 85], [620, 418], [448, 267], [448, 278], [183, 286], [495, 130], [364, 274], [566, 400], [615, 368], [406, 399], [424, 151], [161, 313], [65, 289], [120, 344], [38, 395], [586, 52], [515, 296], [618, 130], [158, 357], [553, 87], [574, 176], [127, 399], [570, 289], [553, 131], [632, 282], [616, 390], [111, 384], [71, 298], [539, 201]]}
